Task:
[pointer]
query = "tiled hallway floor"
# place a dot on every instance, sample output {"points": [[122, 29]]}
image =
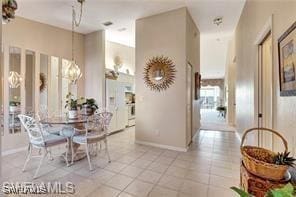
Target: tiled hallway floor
{"points": [[209, 168]]}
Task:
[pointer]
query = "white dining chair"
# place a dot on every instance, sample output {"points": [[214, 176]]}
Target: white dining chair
{"points": [[40, 139], [96, 131]]}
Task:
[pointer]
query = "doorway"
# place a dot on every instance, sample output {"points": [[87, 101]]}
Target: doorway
{"points": [[265, 90], [211, 98]]}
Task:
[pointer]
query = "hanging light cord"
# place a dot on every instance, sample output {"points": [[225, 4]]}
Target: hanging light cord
{"points": [[75, 23]]}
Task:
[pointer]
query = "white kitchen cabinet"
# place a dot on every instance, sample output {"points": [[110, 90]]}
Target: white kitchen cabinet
{"points": [[126, 115]]}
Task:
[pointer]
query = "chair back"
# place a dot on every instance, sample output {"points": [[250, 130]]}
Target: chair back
{"points": [[98, 124], [31, 113], [33, 128], [105, 119], [42, 113]]}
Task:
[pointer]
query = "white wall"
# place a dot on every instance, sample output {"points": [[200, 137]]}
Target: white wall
{"points": [[40, 38], [193, 57], [126, 54], [255, 15], [1, 95], [161, 116], [45, 39], [95, 66], [230, 78]]}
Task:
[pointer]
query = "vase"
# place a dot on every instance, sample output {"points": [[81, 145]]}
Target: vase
{"points": [[87, 110], [72, 114], [13, 108]]}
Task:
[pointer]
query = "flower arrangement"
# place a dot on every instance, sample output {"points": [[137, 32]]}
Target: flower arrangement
{"points": [[72, 103]]}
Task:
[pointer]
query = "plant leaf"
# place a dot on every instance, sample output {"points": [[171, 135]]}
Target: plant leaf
{"points": [[286, 191], [241, 192]]}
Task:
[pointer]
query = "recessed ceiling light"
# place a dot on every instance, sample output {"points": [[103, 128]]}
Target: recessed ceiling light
{"points": [[108, 23], [122, 29], [218, 20]]}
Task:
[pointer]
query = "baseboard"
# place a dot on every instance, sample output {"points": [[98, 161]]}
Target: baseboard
{"points": [[12, 151], [196, 133], [161, 146], [238, 136]]}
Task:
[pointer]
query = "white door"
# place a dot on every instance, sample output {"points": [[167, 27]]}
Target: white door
{"points": [[265, 92], [189, 105]]}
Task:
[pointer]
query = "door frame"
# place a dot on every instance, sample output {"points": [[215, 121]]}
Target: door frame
{"points": [[191, 101], [266, 31]]}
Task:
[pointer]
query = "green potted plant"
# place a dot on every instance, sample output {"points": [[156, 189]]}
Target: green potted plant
{"points": [[222, 110], [286, 191], [90, 106], [14, 106], [73, 105]]}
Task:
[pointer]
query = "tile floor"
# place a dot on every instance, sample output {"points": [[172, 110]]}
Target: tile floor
{"points": [[209, 168]]}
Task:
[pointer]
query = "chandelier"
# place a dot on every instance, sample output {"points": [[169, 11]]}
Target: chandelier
{"points": [[8, 10], [73, 72], [14, 79]]}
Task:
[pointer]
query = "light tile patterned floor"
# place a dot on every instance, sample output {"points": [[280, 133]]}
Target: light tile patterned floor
{"points": [[209, 168]]}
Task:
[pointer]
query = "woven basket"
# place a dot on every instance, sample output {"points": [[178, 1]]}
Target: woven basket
{"points": [[258, 161]]}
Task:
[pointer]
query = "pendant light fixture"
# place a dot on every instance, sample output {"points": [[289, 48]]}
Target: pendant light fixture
{"points": [[8, 10], [73, 72]]}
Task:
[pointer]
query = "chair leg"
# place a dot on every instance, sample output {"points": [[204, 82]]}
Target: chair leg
{"points": [[67, 150], [96, 149], [40, 163], [50, 155], [28, 157], [72, 151], [39, 151], [106, 150], [88, 157]]}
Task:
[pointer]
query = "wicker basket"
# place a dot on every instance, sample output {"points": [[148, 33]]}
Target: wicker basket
{"points": [[262, 167]]}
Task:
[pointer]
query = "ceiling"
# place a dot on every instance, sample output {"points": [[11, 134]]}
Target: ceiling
{"points": [[124, 13], [213, 55]]}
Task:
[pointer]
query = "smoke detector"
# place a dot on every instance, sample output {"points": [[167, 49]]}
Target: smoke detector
{"points": [[108, 23], [218, 20]]}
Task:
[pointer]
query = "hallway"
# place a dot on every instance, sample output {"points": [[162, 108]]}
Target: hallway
{"points": [[211, 115], [209, 168]]}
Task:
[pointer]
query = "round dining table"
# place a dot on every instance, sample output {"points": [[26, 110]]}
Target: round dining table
{"points": [[62, 120], [68, 130]]}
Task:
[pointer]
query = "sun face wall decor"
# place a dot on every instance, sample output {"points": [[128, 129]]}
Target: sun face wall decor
{"points": [[43, 82], [159, 73]]}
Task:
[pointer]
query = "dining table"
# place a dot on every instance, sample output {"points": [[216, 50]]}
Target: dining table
{"points": [[67, 129]]}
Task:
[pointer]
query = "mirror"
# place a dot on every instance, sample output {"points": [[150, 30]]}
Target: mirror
{"points": [[14, 80], [1, 92], [30, 81], [43, 86], [65, 84], [158, 74], [53, 94]]}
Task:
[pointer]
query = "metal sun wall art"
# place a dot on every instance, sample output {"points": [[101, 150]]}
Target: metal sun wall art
{"points": [[43, 82], [159, 73]]}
